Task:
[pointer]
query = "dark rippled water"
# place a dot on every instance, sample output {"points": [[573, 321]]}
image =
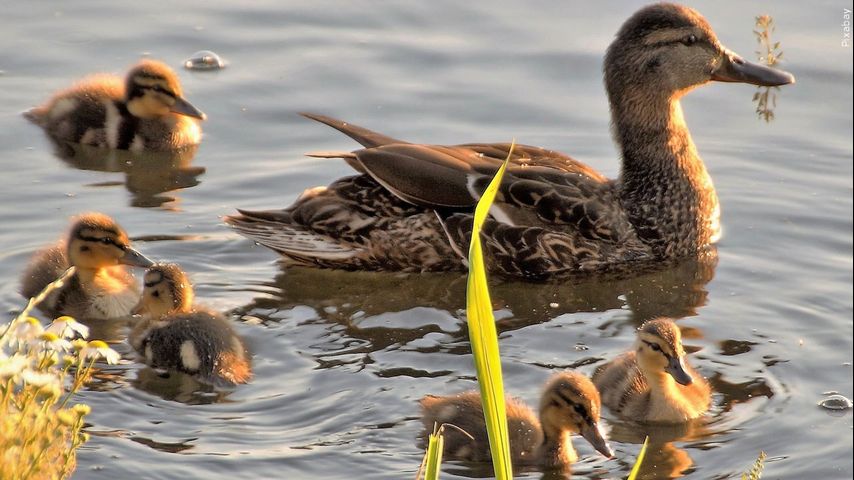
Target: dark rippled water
{"points": [[341, 358]]}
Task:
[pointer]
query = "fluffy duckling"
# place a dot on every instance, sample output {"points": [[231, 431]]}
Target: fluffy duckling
{"points": [[174, 334], [569, 404], [654, 383], [145, 111], [410, 209], [102, 287]]}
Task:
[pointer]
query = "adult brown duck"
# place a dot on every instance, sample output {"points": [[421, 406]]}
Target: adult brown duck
{"points": [[411, 207]]}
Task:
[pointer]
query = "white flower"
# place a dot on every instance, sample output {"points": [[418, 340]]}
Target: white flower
{"points": [[50, 341], [67, 327], [11, 367], [98, 349], [38, 379], [27, 330]]}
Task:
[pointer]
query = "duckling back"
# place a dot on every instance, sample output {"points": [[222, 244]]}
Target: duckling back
{"points": [[83, 113], [199, 343], [466, 412]]}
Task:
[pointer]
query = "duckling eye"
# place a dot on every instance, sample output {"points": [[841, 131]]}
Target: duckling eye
{"points": [[655, 347], [690, 40], [155, 294], [84, 248]]}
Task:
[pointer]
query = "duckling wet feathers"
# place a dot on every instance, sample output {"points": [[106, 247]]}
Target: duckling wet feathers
{"points": [[569, 404], [653, 382], [173, 333], [102, 287], [145, 111]]}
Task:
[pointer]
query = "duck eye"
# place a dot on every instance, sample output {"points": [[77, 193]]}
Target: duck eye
{"points": [[156, 294], [690, 40], [655, 347], [84, 248]]}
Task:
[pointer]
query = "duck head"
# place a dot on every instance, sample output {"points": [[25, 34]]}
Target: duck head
{"points": [[96, 241], [667, 49], [659, 350], [167, 291], [571, 403], [152, 90]]}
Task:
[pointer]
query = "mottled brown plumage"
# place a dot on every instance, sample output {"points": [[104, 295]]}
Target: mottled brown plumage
{"points": [[411, 208], [145, 111], [102, 287], [653, 382], [570, 404], [173, 333]]}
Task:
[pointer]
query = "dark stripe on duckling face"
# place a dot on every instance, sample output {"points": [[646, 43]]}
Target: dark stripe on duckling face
{"points": [[576, 407]]}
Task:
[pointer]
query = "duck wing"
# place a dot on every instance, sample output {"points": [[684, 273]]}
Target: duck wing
{"points": [[523, 155]]}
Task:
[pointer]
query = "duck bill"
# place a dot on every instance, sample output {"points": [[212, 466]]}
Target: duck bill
{"points": [[593, 433], [733, 68], [676, 369], [183, 107], [135, 259]]}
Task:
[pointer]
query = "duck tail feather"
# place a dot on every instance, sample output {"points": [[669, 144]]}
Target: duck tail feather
{"points": [[367, 138], [291, 240]]}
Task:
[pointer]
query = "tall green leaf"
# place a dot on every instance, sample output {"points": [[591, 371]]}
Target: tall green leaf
{"points": [[484, 338], [435, 446], [634, 473]]}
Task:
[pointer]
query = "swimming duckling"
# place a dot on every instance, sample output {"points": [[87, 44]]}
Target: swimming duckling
{"points": [[102, 287], [654, 383], [411, 207], [174, 334], [145, 111], [569, 404]]}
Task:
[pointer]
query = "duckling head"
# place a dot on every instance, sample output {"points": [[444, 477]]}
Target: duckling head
{"points": [[659, 349], [667, 49], [152, 90], [96, 241], [167, 291], [571, 403]]}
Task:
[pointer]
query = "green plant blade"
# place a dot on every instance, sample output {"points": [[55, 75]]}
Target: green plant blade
{"points": [[434, 455], [634, 473], [484, 338]]}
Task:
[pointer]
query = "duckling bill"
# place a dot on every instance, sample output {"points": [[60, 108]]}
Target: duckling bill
{"points": [[570, 404], [173, 333], [102, 287], [410, 209], [145, 111]]}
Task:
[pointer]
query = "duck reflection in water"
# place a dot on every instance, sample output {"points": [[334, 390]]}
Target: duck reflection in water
{"points": [[152, 177], [178, 387], [340, 297]]}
